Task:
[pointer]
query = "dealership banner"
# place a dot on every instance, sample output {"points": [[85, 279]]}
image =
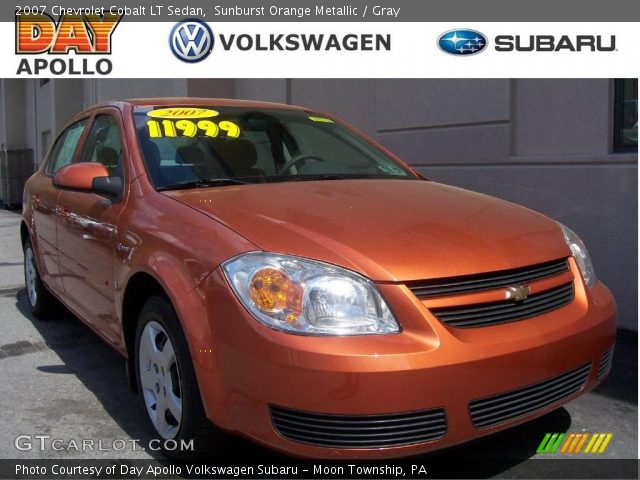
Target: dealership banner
{"points": [[318, 40]]}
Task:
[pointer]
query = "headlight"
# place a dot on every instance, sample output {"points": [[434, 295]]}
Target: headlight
{"points": [[308, 297], [581, 255]]}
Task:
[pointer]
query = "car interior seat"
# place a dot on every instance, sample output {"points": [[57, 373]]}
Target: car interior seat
{"points": [[153, 158], [240, 155], [110, 158]]}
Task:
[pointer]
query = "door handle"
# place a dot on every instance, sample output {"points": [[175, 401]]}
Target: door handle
{"points": [[63, 212]]}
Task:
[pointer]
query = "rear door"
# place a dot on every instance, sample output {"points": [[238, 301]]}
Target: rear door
{"points": [[87, 232], [44, 200]]}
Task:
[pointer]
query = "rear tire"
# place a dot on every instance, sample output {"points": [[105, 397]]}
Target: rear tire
{"points": [[42, 302], [167, 382]]}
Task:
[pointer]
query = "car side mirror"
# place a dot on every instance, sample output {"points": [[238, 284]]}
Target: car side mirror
{"points": [[89, 177], [110, 187]]}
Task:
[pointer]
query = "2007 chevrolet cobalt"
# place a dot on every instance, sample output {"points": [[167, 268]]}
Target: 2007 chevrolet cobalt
{"points": [[272, 271]]}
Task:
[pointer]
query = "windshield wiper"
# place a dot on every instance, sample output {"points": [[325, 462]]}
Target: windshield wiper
{"points": [[202, 183]]}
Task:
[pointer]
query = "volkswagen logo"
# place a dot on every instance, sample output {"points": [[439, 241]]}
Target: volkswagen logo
{"points": [[462, 42], [191, 40]]}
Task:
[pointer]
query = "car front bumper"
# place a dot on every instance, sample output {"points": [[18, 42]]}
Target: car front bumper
{"points": [[244, 369]]}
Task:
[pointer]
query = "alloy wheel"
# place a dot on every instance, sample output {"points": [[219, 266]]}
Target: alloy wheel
{"points": [[31, 276], [160, 380]]}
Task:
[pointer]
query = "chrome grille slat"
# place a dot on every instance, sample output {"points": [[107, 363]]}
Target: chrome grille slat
{"points": [[504, 408], [533, 390], [367, 443], [480, 311], [504, 305], [508, 316], [508, 406], [480, 285], [395, 426], [356, 419], [605, 363], [378, 434], [504, 311], [359, 431], [486, 281], [525, 408]]}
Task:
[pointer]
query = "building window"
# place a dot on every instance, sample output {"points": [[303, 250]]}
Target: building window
{"points": [[625, 128]]}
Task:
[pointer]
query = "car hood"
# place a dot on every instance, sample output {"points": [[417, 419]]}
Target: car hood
{"points": [[388, 230]]}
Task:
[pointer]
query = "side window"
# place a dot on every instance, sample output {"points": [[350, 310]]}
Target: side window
{"points": [[62, 151], [625, 128], [103, 145]]}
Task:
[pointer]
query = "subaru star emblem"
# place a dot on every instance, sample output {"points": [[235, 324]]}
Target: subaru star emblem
{"points": [[462, 42], [191, 40]]}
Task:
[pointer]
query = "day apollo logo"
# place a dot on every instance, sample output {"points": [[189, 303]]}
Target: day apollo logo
{"points": [[69, 38], [462, 42], [191, 40]]}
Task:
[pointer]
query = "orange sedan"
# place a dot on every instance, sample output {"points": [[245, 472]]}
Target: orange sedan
{"points": [[272, 271]]}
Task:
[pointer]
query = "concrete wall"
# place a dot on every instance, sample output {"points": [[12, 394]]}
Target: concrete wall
{"points": [[12, 114], [545, 144]]}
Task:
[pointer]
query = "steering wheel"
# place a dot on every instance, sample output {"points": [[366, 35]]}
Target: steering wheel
{"points": [[300, 158]]}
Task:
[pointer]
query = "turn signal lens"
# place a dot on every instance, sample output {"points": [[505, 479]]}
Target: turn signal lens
{"points": [[273, 291]]}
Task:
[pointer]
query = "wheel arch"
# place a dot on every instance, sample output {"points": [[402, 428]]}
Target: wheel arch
{"points": [[140, 287], [179, 292], [24, 233]]}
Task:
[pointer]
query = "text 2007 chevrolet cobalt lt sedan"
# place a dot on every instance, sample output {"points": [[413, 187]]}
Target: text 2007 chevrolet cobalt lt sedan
{"points": [[272, 271]]}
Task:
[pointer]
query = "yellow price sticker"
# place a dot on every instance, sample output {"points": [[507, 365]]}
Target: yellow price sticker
{"points": [[321, 119], [182, 112], [189, 128]]}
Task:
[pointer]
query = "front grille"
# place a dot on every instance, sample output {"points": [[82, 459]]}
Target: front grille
{"points": [[605, 363], [494, 313], [359, 431], [507, 406], [487, 281]]}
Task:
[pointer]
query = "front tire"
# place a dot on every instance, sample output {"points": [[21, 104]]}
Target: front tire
{"points": [[43, 304], [167, 383]]}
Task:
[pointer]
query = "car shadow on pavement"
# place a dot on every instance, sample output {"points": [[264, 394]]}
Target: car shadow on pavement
{"points": [[102, 371]]}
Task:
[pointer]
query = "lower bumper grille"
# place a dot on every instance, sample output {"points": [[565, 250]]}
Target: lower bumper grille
{"points": [[507, 406], [494, 313], [359, 431], [605, 363]]}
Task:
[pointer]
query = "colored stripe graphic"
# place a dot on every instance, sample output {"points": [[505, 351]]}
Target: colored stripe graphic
{"points": [[598, 443], [584, 439], [572, 443], [550, 443]]}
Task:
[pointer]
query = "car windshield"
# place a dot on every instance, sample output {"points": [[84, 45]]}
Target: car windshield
{"points": [[188, 147]]}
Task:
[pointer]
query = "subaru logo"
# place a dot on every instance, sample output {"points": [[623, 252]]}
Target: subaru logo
{"points": [[462, 42], [191, 40]]}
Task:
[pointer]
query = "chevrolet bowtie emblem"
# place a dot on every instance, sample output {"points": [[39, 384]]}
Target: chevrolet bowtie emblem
{"points": [[517, 293]]}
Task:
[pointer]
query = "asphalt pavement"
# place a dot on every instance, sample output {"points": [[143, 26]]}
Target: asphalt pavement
{"points": [[58, 379]]}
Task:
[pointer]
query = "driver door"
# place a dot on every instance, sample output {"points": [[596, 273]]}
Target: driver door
{"points": [[44, 202], [87, 230]]}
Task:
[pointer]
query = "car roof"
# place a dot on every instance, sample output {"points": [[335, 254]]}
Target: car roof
{"points": [[195, 101]]}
